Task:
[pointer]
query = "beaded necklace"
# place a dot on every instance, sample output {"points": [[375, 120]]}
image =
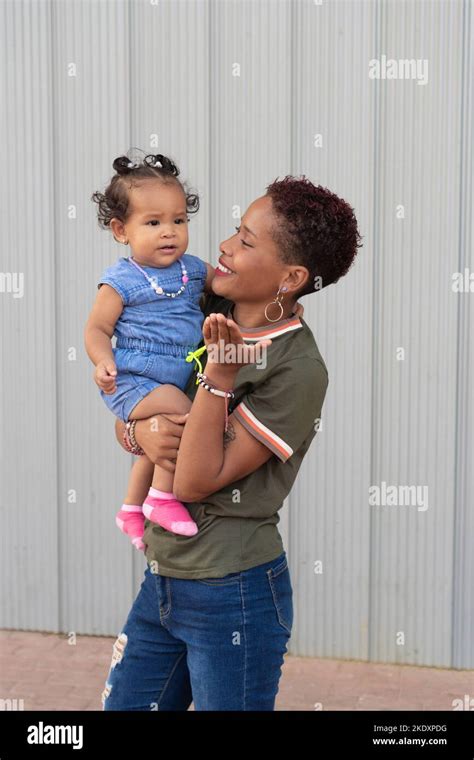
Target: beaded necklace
{"points": [[154, 284]]}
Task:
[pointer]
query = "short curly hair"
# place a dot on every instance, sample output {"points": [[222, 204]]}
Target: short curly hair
{"points": [[314, 228], [115, 201]]}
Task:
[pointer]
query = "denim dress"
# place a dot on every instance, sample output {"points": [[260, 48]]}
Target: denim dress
{"points": [[154, 332]]}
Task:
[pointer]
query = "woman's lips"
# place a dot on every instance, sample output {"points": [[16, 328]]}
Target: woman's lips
{"points": [[223, 274], [221, 269]]}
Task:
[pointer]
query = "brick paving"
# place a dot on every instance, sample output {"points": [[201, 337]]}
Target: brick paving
{"points": [[48, 673]]}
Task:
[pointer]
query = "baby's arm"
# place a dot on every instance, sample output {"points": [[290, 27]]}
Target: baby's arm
{"points": [[98, 334], [210, 276]]}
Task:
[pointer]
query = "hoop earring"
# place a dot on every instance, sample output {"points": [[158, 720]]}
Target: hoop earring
{"points": [[277, 301]]}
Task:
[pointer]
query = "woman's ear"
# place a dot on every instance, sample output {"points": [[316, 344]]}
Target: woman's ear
{"points": [[296, 279]]}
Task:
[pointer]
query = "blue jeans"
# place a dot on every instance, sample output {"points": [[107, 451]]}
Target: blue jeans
{"points": [[217, 642]]}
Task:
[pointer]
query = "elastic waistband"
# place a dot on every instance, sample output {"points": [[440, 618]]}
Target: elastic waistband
{"points": [[154, 347]]}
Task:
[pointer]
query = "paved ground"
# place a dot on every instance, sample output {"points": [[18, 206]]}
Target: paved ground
{"points": [[48, 673]]}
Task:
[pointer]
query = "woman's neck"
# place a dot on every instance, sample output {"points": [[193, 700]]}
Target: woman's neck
{"points": [[250, 315]]}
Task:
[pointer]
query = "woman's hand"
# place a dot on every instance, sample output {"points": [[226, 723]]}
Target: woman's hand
{"points": [[226, 347], [158, 436]]}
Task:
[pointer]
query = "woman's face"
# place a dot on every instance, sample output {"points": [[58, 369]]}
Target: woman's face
{"points": [[252, 256]]}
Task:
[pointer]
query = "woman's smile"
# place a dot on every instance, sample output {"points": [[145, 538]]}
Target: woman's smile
{"points": [[222, 270]]}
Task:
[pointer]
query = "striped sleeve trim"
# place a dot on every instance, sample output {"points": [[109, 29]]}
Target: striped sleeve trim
{"points": [[262, 433]]}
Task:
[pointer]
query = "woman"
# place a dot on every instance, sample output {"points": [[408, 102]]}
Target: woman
{"points": [[213, 616]]}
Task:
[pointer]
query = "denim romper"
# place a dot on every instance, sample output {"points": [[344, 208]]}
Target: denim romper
{"points": [[154, 332]]}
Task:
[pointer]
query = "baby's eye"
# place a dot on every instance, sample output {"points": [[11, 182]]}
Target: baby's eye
{"points": [[154, 222]]}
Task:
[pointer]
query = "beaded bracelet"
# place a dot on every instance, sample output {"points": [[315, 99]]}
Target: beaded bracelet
{"points": [[201, 378], [130, 441], [135, 445], [126, 439]]}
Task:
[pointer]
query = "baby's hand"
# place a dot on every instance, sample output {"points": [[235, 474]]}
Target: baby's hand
{"points": [[105, 374]]}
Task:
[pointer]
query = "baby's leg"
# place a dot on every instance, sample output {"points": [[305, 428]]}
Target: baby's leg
{"points": [[140, 480], [160, 505], [167, 399], [130, 519]]}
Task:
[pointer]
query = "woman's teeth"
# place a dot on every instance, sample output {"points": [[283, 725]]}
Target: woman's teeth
{"points": [[224, 269]]}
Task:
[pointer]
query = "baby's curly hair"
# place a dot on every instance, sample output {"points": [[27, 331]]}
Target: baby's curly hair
{"points": [[315, 228], [115, 201]]}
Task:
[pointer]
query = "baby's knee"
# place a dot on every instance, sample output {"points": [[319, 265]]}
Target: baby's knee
{"points": [[175, 398]]}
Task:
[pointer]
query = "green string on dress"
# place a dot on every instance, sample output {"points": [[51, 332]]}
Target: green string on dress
{"points": [[194, 356]]}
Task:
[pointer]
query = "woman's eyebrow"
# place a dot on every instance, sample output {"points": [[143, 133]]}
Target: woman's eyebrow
{"points": [[250, 231]]}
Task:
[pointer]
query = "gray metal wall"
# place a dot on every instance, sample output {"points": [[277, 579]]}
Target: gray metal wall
{"points": [[83, 81]]}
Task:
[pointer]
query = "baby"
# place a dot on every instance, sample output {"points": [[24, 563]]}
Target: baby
{"points": [[150, 302]]}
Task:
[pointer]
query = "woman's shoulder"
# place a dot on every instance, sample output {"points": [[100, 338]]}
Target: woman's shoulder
{"points": [[280, 403], [302, 376], [305, 352], [296, 355]]}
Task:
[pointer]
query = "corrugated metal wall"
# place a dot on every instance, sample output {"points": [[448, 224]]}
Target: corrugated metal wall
{"points": [[238, 93]]}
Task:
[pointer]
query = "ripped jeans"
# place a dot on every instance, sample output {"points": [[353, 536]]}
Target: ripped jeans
{"points": [[216, 642]]}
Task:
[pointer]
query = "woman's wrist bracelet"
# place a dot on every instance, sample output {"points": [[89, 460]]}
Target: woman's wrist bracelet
{"points": [[133, 439], [201, 379], [129, 439], [126, 438]]}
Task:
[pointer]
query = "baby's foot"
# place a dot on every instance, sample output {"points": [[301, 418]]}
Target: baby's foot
{"points": [[162, 508], [131, 521]]}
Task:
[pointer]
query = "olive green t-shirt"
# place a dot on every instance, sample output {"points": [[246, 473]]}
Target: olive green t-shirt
{"points": [[279, 404]]}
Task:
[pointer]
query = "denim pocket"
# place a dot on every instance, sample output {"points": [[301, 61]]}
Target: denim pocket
{"points": [[282, 593], [194, 286], [229, 578], [138, 362], [163, 591]]}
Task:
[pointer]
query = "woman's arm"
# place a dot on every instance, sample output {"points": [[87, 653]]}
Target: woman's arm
{"points": [[159, 437], [208, 459]]}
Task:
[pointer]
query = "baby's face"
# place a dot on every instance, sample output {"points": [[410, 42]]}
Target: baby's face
{"points": [[158, 218]]}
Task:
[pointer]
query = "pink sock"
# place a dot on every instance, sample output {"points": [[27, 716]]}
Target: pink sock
{"points": [[131, 521], [162, 507]]}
